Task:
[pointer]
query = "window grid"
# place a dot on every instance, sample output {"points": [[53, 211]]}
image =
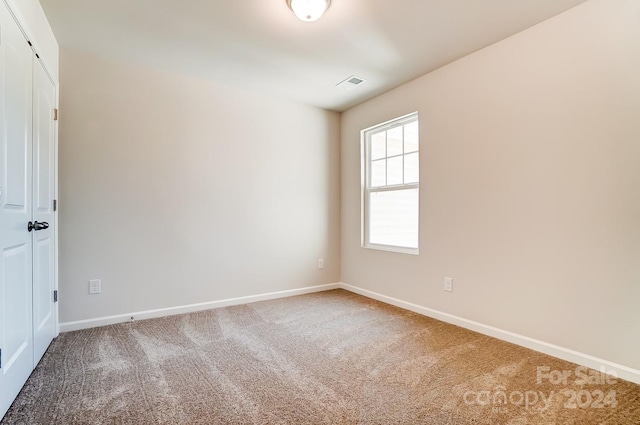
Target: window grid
{"points": [[387, 157]]}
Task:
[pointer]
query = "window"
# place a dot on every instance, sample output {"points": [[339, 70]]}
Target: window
{"points": [[390, 157]]}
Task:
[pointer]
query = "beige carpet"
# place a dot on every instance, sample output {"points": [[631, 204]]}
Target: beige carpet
{"points": [[327, 358]]}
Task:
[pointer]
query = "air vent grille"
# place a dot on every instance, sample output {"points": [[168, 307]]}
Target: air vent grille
{"points": [[351, 82]]}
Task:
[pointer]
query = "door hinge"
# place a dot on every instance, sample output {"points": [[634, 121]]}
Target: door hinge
{"points": [[55, 296], [55, 114], [55, 205]]}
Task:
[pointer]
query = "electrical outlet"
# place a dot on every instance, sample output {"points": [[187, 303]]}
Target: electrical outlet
{"points": [[320, 263], [95, 286], [448, 284]]}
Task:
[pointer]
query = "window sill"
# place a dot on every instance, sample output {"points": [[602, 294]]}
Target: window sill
{"points": [[391, 248]]}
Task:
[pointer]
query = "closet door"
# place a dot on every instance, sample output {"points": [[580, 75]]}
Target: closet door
{"points": [[16, 331], [44, 320]]}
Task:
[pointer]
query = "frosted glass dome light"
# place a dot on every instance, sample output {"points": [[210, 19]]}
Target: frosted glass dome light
{"points": [[309, 10]]}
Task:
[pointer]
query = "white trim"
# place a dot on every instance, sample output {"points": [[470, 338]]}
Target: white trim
{"points": [[170, 311], [621, 371], [392, 248], [392, 123], [56, 264]]}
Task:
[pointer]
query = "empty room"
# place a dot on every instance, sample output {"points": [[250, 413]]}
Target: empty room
{"points": [[320, 212]]}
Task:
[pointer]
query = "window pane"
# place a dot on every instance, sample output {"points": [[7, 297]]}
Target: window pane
{"points": [[411, 167], [393, 218], [378, 173], [378, 145], [394, 141], [394, 170], [411, 137]]}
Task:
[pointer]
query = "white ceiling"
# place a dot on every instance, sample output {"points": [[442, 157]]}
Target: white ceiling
{"points": [[262, 46]]}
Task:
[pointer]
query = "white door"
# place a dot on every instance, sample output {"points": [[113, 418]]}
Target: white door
{"points": [[44, 320], [16, 331]]}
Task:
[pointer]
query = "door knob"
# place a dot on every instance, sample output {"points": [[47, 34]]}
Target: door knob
{"points": [[37, 226]]}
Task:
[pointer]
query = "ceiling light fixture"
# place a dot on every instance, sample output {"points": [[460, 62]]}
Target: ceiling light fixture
{"points": [[309, 10]]}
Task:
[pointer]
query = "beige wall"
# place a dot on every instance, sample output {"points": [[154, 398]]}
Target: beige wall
{"points": [[174, 191], [530, 185]]}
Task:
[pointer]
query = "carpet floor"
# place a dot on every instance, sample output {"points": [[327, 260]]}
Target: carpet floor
{"points": [[325, 358]]}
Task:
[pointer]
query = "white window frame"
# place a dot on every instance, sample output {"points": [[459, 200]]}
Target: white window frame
{"points": [[365, 146]]}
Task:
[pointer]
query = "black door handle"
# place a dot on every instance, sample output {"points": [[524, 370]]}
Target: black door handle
{"points": [[40, 226], [37, 226]]}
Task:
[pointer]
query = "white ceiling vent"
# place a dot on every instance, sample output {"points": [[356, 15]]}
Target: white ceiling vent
{"points": [[351, 82]]}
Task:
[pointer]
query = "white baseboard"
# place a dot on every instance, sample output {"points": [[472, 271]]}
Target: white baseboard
{"points": [[621, 371], [171, 311]]}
